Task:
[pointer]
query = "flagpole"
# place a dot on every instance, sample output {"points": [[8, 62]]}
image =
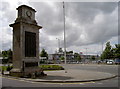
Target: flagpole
{"points": [[64, 33]]}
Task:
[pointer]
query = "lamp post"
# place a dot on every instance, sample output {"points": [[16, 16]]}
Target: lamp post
{"points": [[86, 53], [58, 43], [102, 47]]}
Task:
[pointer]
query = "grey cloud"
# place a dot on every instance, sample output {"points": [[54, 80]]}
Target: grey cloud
{"points": [[84, 12], [49, 17], [80, 21], [8, 14], [6, 46], [46, 43], [4, 6]]}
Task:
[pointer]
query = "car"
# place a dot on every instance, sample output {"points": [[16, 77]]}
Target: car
{"points": [[105, 61], [117, 61], [77, 62], [110, 62], [94, 62]]}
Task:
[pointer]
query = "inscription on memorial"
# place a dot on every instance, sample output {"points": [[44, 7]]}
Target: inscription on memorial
{"points": [[30, 44]]}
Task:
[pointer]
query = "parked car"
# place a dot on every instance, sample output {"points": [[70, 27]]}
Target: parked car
{"points": [[105, 61], [117, 61], [110, 62]]}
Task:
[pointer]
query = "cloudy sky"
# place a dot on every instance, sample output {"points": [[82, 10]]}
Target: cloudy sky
{"points": [[88, 24]]}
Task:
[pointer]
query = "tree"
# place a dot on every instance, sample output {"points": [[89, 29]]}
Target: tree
{"points": [[77, 56], [62, 58], [44, 53], [107, 53], [7, 56], [93, 57], [116, 51], [4, 54], [69, 52], [0, 53], [60, 50], [9, 52]]}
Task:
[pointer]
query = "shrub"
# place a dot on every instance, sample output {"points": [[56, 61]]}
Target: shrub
{"points": [[9, 68], [6, 68]]}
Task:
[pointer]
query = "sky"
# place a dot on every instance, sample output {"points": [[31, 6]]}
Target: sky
{"points": [[88, 25]]}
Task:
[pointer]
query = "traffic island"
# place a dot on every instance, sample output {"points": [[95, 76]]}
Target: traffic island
{"points": [[71, 76]]}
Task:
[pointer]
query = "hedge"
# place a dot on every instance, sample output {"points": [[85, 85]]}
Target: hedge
{"points": [[51, 67], [44, 67]]}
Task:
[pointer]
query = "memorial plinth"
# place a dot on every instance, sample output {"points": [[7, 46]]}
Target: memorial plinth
{"points": [[25, 42]]}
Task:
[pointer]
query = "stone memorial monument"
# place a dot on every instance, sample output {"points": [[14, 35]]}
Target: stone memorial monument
{"points": [[25, 42]]}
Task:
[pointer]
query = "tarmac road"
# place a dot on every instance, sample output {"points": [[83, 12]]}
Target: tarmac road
{"points": [[113, 69], [9, 82]]}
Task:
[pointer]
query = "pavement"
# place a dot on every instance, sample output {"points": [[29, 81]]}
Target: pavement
{"points": [[65, 76]]}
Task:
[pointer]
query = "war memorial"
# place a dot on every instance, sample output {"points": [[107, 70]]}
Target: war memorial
{"points": [[25, 42]]}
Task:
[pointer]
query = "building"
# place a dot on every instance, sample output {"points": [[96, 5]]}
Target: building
{"points": [[88, 58], [58, 57], [71, 57]]}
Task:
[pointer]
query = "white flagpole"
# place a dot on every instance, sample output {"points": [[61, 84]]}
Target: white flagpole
{"points": [[64, 33]]}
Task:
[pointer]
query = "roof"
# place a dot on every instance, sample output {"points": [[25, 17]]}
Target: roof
{"points": [[25, 6]]}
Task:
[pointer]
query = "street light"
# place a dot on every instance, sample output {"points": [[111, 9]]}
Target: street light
{"points": [[86, 51], [86, 54], [58, 43], [102, 47]]}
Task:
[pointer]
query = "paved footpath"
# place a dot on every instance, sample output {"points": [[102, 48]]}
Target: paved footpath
{"points": [[72, 76]]}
